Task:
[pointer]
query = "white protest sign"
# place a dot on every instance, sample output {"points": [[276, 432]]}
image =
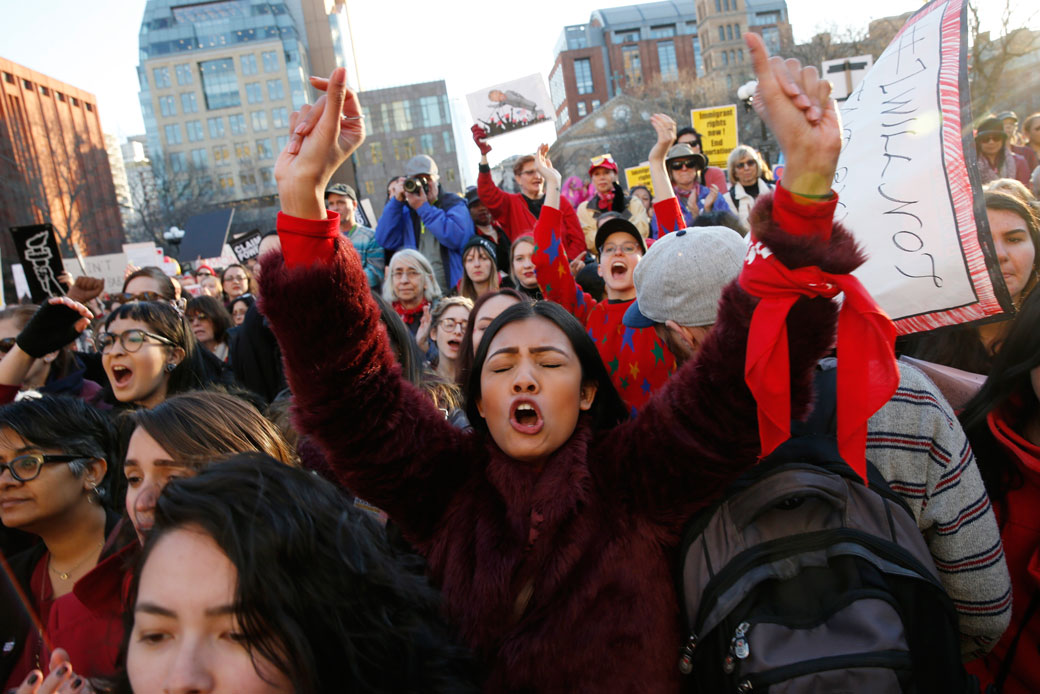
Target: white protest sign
{"points": [[512, 105], [903, 180], [145, 254], [21, 285], [110, 267]]}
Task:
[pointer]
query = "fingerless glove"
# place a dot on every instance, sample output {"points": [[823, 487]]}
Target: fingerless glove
{"points": [[52, 327]]}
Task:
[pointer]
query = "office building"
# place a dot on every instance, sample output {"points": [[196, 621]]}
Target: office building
{"points": [[53, 165], [402, 122]]}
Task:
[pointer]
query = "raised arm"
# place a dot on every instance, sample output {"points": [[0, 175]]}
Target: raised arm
{"points": [[349, 392]]}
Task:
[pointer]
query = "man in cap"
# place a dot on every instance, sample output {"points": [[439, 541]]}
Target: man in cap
{"points": [[422, 216], [685, 171], [341, 198], [518, 212], [609, 197], [486, 227], [637, 361], [713, 175]]}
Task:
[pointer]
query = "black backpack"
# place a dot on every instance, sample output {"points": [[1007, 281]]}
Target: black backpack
{"points": [[803, 579]]}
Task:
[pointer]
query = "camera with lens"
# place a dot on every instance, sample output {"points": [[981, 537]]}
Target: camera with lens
{"points": [[415, 183]]}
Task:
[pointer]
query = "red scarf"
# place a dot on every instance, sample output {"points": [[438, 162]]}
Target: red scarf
{"points": [[606, 200], [867, 371], [410, 315]]}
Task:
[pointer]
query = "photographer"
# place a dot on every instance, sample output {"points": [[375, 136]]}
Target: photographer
{"points": [[419, 215]]}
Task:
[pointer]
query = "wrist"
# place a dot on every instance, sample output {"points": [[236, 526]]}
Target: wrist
{"points": [[305, 204]]}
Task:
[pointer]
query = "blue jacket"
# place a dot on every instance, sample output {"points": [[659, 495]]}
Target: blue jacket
{"points": [[702, 192], [448, 220]]}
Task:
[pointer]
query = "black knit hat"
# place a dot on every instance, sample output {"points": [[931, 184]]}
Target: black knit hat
{"points": [[478, 240]]}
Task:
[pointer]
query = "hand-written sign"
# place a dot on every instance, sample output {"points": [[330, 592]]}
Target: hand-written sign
{"points": [[38, 250], [718, 129], [904, 183], [247, 246], [639, 176], [110, 267]]}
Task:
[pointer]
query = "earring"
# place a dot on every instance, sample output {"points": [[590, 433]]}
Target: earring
{"points": [[94, 496], [170, 367]]}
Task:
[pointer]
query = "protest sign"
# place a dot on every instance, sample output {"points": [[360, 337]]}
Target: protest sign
{"points": [[508, 106], [246, 247], [845, 74], [718, 129], [908, 183], [639, 176], [40, 260], [205, 235], [110, 267], [366, 214], [144, 254]]}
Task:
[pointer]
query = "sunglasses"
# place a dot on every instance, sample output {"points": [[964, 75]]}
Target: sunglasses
{"points": [[199, 315], [126, 297], [131, 340], [745, 164], [602, 159], [6, 344], [989, 137], [26, 468], [684, 164]]}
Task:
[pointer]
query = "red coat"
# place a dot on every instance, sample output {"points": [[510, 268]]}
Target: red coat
{"points": [[511, 211], [1020, 532], [560, 581]]}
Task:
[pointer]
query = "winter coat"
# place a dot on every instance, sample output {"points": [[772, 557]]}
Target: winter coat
{"points": [[372, 256], [561, 580], [720, 205], [447, 219], [1020, 531], [589, 212], [743, 202]]}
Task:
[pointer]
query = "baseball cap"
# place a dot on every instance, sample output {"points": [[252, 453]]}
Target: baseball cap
{"points": [[682, 276], [420, 164], [341, 189], [684, 151], [472, 197], [603, 161], [612, 226]]}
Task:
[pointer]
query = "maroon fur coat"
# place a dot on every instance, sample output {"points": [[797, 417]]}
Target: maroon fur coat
{"points": [[584, 601]]}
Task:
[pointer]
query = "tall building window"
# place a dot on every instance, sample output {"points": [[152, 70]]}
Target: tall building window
{"points": [[698, 59], [267, 177], [221, 155], [258, 119], [249, 64], [270, 60], [161, 77], [275, 90], [626, 35], [449, 141], [740, 52], [173, 134], [404, 149], [216, 127], [219, 83], [725, 58], [718, 5], [238, 124], [194, 128], [198, 159], [178, 162], [183, 74], [595, 104], [189, 104], [430, 106], [375, 152], [729, 81], [167, 107], [402, 111], [370, 187], [631, 63], [729, 32], [426, 143], [242, 152], [280, 117], [583, 76], [263, 149], [254, 94], [669, 63], [248, 179], [281, 141], [722, 33], [771, 37], [736, 30], [725, 5], [583, 110], [664, 31]]}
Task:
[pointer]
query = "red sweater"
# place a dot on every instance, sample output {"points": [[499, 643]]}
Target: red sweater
{"points": [[1020, 532], [511, 211], [636, 359], [607, 506]]}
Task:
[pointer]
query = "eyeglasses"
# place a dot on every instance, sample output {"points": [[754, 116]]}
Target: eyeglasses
{"points": [[532, 172], [235, 278], [26, 468], [989, 137], [127, 297], [132, 340], [602, 159], [683, 164], [401, 273], [197, 316], [6, 344], [450, 324], [746, 164], [625, 249]]}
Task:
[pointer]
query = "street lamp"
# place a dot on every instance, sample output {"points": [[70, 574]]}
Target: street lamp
{"points": [[174, 237], [746, 94]]}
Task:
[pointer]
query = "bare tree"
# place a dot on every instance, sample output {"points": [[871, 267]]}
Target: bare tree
{"points": [[991, 71], [162, 197]]}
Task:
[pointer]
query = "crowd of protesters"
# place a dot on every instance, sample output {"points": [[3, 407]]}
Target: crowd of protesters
{"points": [[463, 450]]}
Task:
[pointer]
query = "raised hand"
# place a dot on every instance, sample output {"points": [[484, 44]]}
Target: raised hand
{"points": [[423, 333], [796, 105], [322, 137], [664, 126], [545, 167], [86, 288], [480, 138]]}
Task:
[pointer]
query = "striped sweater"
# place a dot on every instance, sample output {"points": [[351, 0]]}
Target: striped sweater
{"points": [[918, 446]]}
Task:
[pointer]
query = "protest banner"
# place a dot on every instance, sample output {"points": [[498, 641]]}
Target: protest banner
{"points": [[718, 129], [639, 176], [110, 267], [845, 74], [144, 254], [366, 214], [246, 247], [908, 184], [508, 106], [205, 235], [40, 258]]}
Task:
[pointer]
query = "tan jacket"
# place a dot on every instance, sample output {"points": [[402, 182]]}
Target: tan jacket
{"points": [[587, 217]]}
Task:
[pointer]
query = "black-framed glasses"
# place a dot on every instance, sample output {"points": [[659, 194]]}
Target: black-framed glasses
{"points": [[26, 468], [683, 164], [127, 297], [132, 340], [6, 344]]}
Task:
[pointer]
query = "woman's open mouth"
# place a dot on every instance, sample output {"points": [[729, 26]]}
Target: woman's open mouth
{"points": [[525, 417], [455, 343], [121, 375]]}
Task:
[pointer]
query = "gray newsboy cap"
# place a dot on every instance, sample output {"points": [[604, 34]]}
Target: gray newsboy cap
{"points": [[682, 276]]}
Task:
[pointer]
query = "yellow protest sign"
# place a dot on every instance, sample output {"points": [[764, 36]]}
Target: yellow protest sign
{"points": [[639, 176], [718, 129]]}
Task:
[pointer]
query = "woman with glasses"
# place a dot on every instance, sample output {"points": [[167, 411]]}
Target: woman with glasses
{"points": [[749, 177], [56, 479], [995, 158], [237, 280], [146, 284], [411, 288], [210, 322], [686, 171], [448, 326]]}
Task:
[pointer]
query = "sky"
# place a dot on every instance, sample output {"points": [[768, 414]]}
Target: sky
{"points": [[92, 44]]}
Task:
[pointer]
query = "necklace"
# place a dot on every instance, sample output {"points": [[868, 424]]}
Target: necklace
{"points": [[64, 575]]}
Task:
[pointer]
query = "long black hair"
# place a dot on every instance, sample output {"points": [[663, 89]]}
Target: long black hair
{"points": [[319, 593], [608, 409]]}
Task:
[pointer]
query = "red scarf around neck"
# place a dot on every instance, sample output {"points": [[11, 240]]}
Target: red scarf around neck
{"points": [[410, 315]]}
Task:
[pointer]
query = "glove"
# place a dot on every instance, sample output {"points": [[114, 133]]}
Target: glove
{"points": [[86, 288], [620, 201], [480, 137], [52, 327]]}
